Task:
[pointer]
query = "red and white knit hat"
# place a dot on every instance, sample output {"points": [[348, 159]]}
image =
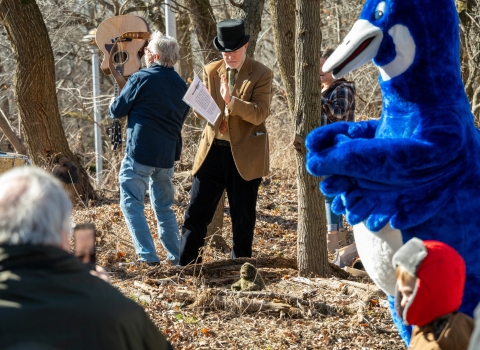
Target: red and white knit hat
{"points": [[440, 273]]}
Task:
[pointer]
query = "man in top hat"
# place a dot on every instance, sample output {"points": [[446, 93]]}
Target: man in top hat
{"points": [[233, 154]]}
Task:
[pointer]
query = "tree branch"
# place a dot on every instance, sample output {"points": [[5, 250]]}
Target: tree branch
{"points": [[107, 5], [116, 6], [122, 8], [135, 9], [11, 135], [475, 102], [236, 4]]}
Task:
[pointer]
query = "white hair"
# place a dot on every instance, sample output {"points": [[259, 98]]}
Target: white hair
{"points": [[34, 208], [166, 48]]}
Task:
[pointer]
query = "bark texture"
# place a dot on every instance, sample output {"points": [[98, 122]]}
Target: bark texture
{"points": [[10, 134], [185, 64], [5, 125], [251, 12], [465, 7], [214, 231], [311, 232], [204, 24], [34, 86], [283, 27]]}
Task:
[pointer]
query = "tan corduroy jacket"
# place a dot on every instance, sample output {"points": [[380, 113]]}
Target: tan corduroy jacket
{"points": [[454, 336], [248, 110]]}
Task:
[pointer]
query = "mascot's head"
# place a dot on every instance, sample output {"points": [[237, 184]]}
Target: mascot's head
{"points": [[414, 43]]}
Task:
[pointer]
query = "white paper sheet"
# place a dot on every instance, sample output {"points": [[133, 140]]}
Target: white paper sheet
{"points": [[198, 97]]}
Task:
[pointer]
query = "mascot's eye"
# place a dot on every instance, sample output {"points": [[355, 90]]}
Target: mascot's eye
{"points": [[380, 10]]}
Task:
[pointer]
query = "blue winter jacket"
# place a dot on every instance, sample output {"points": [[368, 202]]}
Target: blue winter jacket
{"points": [[152, 99]]}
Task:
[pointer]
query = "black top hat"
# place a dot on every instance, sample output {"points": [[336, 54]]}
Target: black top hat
{"points": [[230, 35]]}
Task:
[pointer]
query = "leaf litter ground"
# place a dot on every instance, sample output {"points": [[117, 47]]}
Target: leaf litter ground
{"points": [[199, 312]]}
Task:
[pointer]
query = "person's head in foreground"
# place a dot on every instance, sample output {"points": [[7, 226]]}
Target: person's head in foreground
{"points": [[34, 209], [48, 298], [232, 42], [430, 281]]}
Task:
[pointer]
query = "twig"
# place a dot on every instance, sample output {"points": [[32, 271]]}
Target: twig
{"points": [[236, 4], [197, 269], [122, 8]]}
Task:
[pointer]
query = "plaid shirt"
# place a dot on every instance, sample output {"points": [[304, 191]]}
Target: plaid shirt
{"points": [[338, 102]]}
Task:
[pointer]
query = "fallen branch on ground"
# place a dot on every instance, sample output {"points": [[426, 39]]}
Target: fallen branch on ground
{"points": [[340, 284], [255, 302], [235, 264]]}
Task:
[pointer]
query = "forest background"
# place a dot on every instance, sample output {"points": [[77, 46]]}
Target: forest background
{"points": [[48, 113]]}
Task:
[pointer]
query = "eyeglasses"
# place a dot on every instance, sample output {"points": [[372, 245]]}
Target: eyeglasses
{"points": [[147, 50]]}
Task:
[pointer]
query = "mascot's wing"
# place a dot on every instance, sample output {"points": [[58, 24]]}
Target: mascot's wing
{"points": [[380, 180]]}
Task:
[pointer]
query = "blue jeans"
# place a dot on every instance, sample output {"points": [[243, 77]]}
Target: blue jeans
{"points": [[334, 221], [134, 179]]}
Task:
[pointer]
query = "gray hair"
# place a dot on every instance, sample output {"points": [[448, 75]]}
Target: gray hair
{"points": [[34, 208], [166, 48]]}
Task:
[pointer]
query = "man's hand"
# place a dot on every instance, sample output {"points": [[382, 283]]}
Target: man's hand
{"points": [[224, 90]]}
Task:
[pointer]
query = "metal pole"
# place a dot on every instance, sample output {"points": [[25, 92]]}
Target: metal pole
{"points": [[170, 23], [96, 115]]}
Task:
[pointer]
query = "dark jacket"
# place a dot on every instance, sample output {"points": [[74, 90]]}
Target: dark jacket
{"points": [[152, 99], [47, 297]]}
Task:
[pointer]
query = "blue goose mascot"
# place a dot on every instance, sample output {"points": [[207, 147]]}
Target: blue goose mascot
{"points": [[416, 171]]}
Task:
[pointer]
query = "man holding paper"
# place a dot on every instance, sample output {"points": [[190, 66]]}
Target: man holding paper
{"points": [[233, 153]]}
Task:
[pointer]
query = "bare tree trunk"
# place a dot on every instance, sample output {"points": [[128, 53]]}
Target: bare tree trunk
{"points": [[204, 24], [283, 27], [214, 232], [35, 90], [9, 133], [339, 22], [469, 71], [311, 233], [5, 125], [183, 34], [251, 12], [469, 13], [312, 252], [154, 12]]}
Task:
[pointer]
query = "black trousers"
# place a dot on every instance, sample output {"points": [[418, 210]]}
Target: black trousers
{"points": [[217, 173]]}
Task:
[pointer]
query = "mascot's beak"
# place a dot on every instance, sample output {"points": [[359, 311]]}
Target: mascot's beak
{"points": [[357, 48]]}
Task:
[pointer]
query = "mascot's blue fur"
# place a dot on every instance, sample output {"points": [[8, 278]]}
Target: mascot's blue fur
{"points": [[416, 171]]}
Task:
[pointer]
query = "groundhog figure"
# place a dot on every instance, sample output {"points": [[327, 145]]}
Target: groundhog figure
{"points": [[250, 279]]}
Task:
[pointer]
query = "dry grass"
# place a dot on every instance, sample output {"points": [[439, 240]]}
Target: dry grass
{"points": [[318, 315], [208, 326]]}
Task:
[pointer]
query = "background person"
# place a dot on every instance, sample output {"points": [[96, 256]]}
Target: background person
{"points": [[234, 153], [338, 104], [152, 99], [47, 296]]}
